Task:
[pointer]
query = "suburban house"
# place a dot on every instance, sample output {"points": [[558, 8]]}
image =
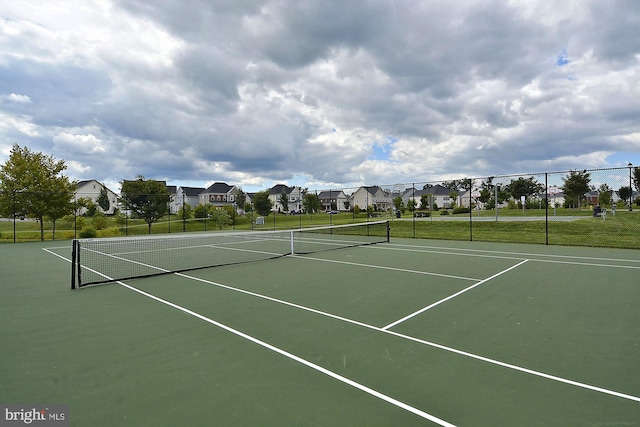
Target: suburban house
{"points": [[293, 194], [556, 199], [334, 200], [90, 189], [172, 189], [414, 194], [188, 196], [436, 196], [219, 194], [374, 196]]}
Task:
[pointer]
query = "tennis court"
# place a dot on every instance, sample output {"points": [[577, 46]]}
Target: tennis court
{"points": [[406, 332]]}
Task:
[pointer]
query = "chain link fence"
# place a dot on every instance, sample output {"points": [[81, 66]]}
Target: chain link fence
{"points": [[596, 207]]}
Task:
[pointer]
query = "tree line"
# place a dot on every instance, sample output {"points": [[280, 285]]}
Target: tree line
{"points": [[33, 184]]}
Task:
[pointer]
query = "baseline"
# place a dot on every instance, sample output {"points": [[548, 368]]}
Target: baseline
{"points": [[407, 337]]}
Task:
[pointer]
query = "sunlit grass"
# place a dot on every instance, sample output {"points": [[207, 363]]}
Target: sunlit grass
{"points": [[621, 230]]}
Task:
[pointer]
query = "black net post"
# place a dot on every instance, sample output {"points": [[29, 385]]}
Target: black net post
{"points": [[75, 263]]}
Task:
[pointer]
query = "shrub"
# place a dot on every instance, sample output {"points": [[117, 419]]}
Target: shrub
{"points": [[445, 212], [461, 210], [80, 221], [88, 233], [99, 222], [110, 232]]}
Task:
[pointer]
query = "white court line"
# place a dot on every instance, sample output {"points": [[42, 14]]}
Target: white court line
{"points": [[300, 360], [551, 261], [59, 256], [280, 351], [312, 258], [407, 337], [505, 255], [425, 342], [422, 310]]}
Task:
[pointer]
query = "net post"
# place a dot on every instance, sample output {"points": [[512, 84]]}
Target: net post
{"points": [[292, 245], [73, 263], [388, 231]]}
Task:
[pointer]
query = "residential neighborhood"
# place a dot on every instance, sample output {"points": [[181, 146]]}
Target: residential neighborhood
{"points": [[290, 199]]}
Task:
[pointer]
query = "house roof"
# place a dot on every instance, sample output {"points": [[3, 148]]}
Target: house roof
{"points": [[438, 190], [82, 183], [280, 188], [218, 188], [414, 192], [330, 193], [192, 191], [372, 189], [85, 182]]}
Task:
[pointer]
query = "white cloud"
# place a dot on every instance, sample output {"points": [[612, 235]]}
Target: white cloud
{"points": [[262, 92], [19, 99], [80, 144]]}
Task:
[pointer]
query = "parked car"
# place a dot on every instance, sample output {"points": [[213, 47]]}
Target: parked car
{"points": [[295, 212]]}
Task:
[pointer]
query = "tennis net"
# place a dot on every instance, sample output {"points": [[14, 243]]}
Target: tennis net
{"points": [[106, 260]]}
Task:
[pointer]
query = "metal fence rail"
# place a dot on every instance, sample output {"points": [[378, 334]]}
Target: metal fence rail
{"points": [[590, 207]]}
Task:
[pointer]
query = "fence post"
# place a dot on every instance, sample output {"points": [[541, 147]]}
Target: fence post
{"points": [[470, 211], [14, 216], [546, 207]]}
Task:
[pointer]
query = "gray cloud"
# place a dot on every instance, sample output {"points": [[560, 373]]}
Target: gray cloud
{"points": [[258, 92]]}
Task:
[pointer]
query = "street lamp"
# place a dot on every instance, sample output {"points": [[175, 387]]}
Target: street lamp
{"points": [[630, 189]]}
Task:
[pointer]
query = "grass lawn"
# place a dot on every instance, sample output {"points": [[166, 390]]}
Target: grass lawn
{"points": [[620, 230]]}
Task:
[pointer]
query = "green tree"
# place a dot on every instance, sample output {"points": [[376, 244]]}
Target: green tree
{"points": [[604, 195], [398, 203], [284, 201], [220, 217], [32, 184], [241, 199], [624, 193], [485, 195], [92, 208], [201, 211], [311, 202], [103, 200], [146, 198], [425, 201], [262, 204], [526, 187], [185, 211], [576, 185]]}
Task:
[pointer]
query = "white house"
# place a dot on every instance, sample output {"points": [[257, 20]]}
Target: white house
{"points": [[91, 189], [374, 196], [293, 194], [436, 195], [334, 200], [188, 196]]}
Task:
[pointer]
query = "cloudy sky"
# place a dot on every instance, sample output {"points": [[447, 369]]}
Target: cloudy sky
{"points": [[320, 93]]}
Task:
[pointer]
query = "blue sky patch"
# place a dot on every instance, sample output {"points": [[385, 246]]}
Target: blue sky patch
{"points": [[563, 58], [382, 150]]}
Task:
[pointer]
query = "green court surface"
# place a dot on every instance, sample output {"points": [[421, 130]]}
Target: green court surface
{"points": [[405, 333]]}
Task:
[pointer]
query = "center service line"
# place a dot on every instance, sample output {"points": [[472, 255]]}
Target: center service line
{"points": [[300, 360], [422, 310]]}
